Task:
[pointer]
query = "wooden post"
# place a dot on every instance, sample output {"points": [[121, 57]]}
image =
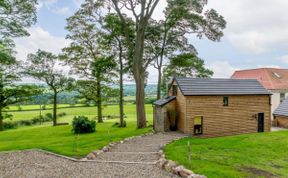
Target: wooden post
{"points": [[189, 151]]}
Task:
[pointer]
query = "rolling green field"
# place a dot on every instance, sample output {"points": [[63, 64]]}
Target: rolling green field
{"points": [[61, 140], [129, 110], [253, 155]]}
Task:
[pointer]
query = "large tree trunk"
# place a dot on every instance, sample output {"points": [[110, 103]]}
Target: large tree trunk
{"points": [[121, 88], [1, 120], [139, 76], [140, 103], [99, 100], [55, 108]]}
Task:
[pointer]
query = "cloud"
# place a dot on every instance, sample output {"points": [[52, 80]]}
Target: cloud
{"points": [[78, 3], [255, 27], [222, 69], [53, 6], [46, 3], [268, 66], [39, 39], [284, 59], [62, 11]]}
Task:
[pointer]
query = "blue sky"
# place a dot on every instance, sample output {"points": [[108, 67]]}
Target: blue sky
{"points": [[256, 34]]}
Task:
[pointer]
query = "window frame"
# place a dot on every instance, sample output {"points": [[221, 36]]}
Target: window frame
{"points": [[225, 103], [201, 126]]}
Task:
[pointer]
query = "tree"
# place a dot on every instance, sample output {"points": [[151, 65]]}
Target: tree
{"points": [[11, 93], [187, 15], [88, 91], [16, 16], [185, 65], [113, 41], [84, 54], [43, 66], [184, 17]]}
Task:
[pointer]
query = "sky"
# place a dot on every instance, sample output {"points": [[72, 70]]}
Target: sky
{"points": [[256, 34]]}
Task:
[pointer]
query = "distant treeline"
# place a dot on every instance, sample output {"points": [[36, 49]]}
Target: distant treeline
{"points": [[72, 97]]}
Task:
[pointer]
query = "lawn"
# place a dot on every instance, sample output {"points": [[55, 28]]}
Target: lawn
{"points": [[61, 140], [253, 155], [129, 110]]}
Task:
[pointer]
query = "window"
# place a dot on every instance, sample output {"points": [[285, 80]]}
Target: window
{"points": [[225, 101], [276, 75], [282, 97], [198, 125], [174, 90]]}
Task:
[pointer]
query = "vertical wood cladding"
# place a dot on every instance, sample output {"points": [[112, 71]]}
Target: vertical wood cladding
{"points": [[218, 120], [180, 107]]}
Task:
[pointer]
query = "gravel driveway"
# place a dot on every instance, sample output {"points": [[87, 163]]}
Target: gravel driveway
{"points": [[142, 151]]}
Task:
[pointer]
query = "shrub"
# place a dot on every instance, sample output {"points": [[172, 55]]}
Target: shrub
{"points": [[10, 125], [49, 116], [36, 119], [82, 124], [25, 122], [150, 100], [61, 114]]}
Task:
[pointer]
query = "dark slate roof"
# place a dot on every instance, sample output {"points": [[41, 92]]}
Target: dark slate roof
{"points": [[282, 109], [208, 86], [164, 101]]}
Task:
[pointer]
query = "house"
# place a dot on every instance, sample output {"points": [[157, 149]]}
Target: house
{"points": [[274, 80], [281, 114], [214, 107]]}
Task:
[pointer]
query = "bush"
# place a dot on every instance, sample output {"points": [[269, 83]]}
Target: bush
{"points": [[10, 125], [37, 119], [61, 114], [82, 124], [49, 116], [150, 100], [25, 122]]}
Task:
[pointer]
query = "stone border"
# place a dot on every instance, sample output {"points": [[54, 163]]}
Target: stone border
{"points": [[93, 155], [173, 167]]}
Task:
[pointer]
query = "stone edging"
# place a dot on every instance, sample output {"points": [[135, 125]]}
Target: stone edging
{"points": [[173, 167], [93, 155]]}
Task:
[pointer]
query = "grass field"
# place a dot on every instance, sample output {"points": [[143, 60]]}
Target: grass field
{"points": [[253, 155], [129, 110], [61, 140]]}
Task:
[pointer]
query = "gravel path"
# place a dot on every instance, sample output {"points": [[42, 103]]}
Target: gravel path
{"points": [[142, 151]]}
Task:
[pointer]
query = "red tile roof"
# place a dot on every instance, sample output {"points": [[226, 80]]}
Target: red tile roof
{"points": [[270, 78]]}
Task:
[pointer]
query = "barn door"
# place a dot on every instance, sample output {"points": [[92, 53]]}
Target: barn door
{"points": [[260, 122]]}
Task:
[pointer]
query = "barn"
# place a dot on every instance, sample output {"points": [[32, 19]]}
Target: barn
{"points": [[214, 107]]}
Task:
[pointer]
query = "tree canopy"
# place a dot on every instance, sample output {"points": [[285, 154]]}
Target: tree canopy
{"points": [[43, 66], [16, 16]]}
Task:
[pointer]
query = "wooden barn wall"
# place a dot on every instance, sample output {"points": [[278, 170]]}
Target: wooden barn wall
{"points": [[282, 121], [219, 120], [181, 108]]}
